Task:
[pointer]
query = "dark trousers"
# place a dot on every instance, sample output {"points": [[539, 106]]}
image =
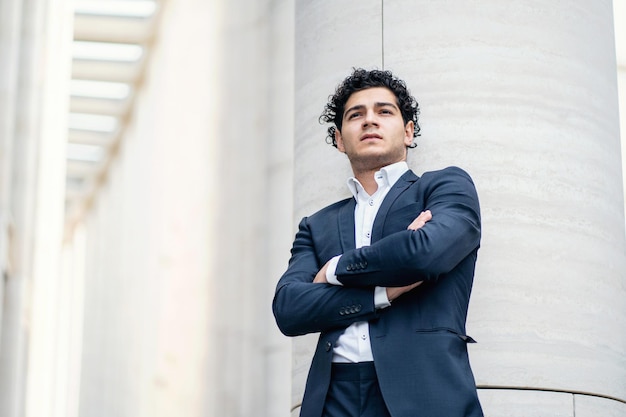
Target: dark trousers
{"points": [[354, 392]]}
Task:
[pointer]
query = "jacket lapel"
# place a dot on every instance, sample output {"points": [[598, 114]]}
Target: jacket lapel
{"points": [[398, 188], [346, 225]]}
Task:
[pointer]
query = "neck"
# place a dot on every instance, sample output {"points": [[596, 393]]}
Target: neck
{"points": [[367, 180]]}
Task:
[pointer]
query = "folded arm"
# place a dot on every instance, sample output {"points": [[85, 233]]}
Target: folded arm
{"points": [[329, 269], [301, 306], [408, 256]]}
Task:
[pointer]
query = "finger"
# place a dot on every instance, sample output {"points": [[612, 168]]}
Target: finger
{"points": [[425, 216], [416, 224], [420, 220], [415, 284], [320, 277]]}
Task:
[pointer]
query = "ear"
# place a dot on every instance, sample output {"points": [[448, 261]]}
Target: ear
{"points": [[408, 133], [339, 140]]}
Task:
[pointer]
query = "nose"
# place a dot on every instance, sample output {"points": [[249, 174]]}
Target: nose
{"points": [[370, 118]]}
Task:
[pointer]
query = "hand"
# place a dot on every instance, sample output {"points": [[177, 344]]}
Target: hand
{"points": [[395, 292], [320, 278], [420, 220]]}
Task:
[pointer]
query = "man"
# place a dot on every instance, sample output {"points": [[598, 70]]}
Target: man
{"points": [[385, 276]]}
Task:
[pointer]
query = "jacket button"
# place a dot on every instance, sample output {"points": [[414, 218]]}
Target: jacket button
{"points": [[342, 312], [358, 308], [328, 346]]}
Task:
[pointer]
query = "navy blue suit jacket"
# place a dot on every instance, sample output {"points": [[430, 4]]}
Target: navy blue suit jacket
{"points": [[419, 343]]}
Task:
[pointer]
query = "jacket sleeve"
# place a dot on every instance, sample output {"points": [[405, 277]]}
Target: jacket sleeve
{"points": [[405, 257], [302, 307]]}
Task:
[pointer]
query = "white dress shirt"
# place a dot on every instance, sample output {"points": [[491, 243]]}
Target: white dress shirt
{"points": [[354, 344]]}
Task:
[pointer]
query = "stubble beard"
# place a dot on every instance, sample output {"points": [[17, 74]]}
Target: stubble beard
{"points": [[374, 162]]}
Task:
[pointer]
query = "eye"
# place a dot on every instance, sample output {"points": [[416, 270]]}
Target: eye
{"points": [[353, 115], [386, 111]]}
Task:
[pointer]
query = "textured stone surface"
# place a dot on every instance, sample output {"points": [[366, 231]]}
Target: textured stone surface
{"points": [[619, 15], [516, 403], [587, 406]]}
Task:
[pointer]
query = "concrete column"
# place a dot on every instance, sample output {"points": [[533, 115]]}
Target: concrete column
{"points": [[71, 308], [49, 365], [619, 16], [10, 24], [20, 44], [524, 97], [191, 228], [35, 35]]}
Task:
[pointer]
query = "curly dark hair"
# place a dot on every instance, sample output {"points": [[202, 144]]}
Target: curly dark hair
{"points": [[361, 79]]}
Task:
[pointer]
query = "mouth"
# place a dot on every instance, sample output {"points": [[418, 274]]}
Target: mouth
{"points": [[370, 136]]}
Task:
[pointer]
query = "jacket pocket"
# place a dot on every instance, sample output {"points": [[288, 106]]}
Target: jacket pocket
{"points": [[464, 337]]}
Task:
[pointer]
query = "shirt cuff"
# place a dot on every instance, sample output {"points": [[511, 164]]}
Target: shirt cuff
{"points": [[380, 298], [331, 277]]}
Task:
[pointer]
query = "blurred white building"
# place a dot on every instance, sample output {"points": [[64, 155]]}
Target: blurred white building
{"points": [[155, 157]]}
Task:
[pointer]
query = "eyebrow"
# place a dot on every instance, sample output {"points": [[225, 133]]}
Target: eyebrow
{"points": [[376, 105]]}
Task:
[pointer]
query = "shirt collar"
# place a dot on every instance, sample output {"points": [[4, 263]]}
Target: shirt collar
{"points": [[387, 176]]}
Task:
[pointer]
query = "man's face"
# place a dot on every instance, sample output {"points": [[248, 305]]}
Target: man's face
{"points": [[373, 133]]}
